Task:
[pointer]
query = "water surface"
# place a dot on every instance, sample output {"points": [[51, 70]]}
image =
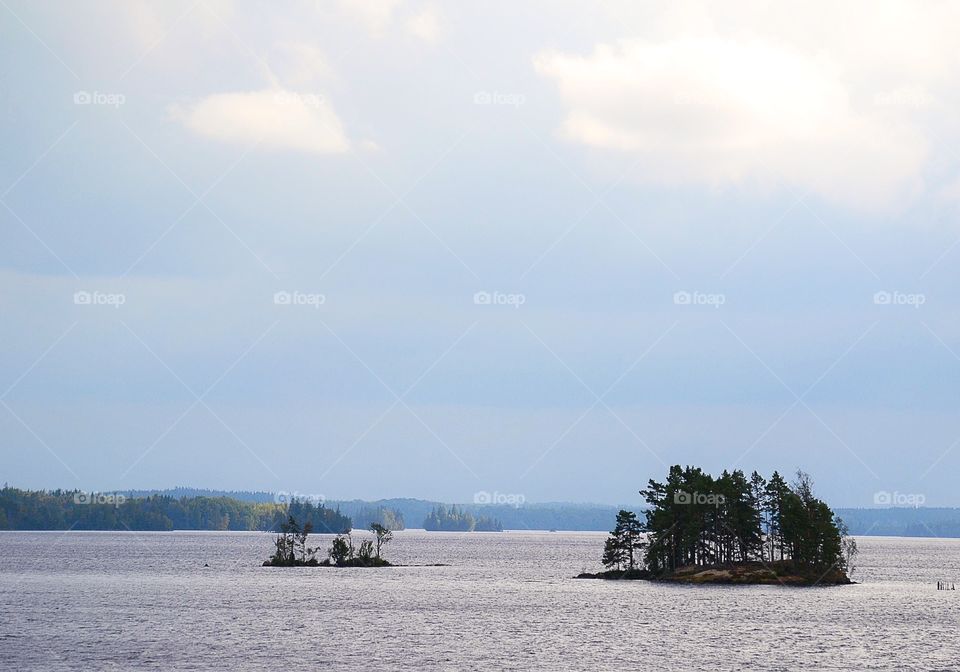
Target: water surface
{"points": [[145, 601]]}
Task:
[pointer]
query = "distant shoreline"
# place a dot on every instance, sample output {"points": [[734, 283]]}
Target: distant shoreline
{"points": [[924, 522]]}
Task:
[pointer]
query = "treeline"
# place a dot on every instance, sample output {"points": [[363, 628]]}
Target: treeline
{"points": [[380, 515], [696, 519], [903, 522], [76, 510], [260, 496], [454, 519]]}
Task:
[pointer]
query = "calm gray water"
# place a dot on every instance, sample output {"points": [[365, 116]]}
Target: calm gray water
{"points": [[141, 601]]}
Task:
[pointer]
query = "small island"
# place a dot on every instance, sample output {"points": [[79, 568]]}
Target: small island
{"points": [[442, 519], [730, 530], [292, 550]]}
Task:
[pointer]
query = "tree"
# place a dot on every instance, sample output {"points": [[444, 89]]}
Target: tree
{"points": [[306, 553], [848, 546], [365, 552], [383, 536], [613, 553], [624, 542], [341, 550], [758, 500], [810, 535], [775, 493]]}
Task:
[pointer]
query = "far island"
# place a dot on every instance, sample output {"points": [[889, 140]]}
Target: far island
{"points": [[730, 530], [455, 519]]}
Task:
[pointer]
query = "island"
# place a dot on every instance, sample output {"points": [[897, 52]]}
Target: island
{"points": [[292, 550], [698, 529], [455, 519]]}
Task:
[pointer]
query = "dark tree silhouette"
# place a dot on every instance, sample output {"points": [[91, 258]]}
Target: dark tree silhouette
{"points": [[383, 536]]}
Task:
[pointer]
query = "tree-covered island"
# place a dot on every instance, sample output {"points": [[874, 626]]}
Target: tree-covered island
{"points": [[731, 529], [455, 519], [291, 548]]}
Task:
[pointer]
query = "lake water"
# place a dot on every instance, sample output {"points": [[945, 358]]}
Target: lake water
{"points": [[141, 601]]}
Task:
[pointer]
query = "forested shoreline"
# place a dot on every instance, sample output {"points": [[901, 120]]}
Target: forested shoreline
{"points": [[77, 510], [212, 505]]}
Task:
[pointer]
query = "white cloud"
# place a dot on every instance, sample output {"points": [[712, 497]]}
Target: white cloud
{"points": [[277, 118], [375, 15], [302, 64], [425, 25], [721, 111]]}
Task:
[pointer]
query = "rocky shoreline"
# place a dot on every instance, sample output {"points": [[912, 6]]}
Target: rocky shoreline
{"points": [[748, 573]]}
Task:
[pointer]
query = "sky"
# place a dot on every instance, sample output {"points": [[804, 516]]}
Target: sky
{"points": [[424, 249]]}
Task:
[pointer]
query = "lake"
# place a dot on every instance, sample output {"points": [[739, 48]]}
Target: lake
{"points": [[145, 601]]}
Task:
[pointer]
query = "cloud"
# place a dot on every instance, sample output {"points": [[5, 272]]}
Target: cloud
{"points": [[302, 64], [276, 118], [375, 15], [719, 111], [425, 25]]}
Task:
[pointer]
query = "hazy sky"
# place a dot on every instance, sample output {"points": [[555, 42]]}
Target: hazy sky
{"points": [[241, 246]]}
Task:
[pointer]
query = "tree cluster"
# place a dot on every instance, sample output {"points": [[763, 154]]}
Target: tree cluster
{"points": [[291, 546], [455, 519], [343, 553], [694, 519], [381, 515]]}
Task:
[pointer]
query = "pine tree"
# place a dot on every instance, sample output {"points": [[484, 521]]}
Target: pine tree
{"points": [[776, 492], [625, 544]]}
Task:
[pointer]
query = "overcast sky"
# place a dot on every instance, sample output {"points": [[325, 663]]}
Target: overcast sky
{"points": [[429, 249]]}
